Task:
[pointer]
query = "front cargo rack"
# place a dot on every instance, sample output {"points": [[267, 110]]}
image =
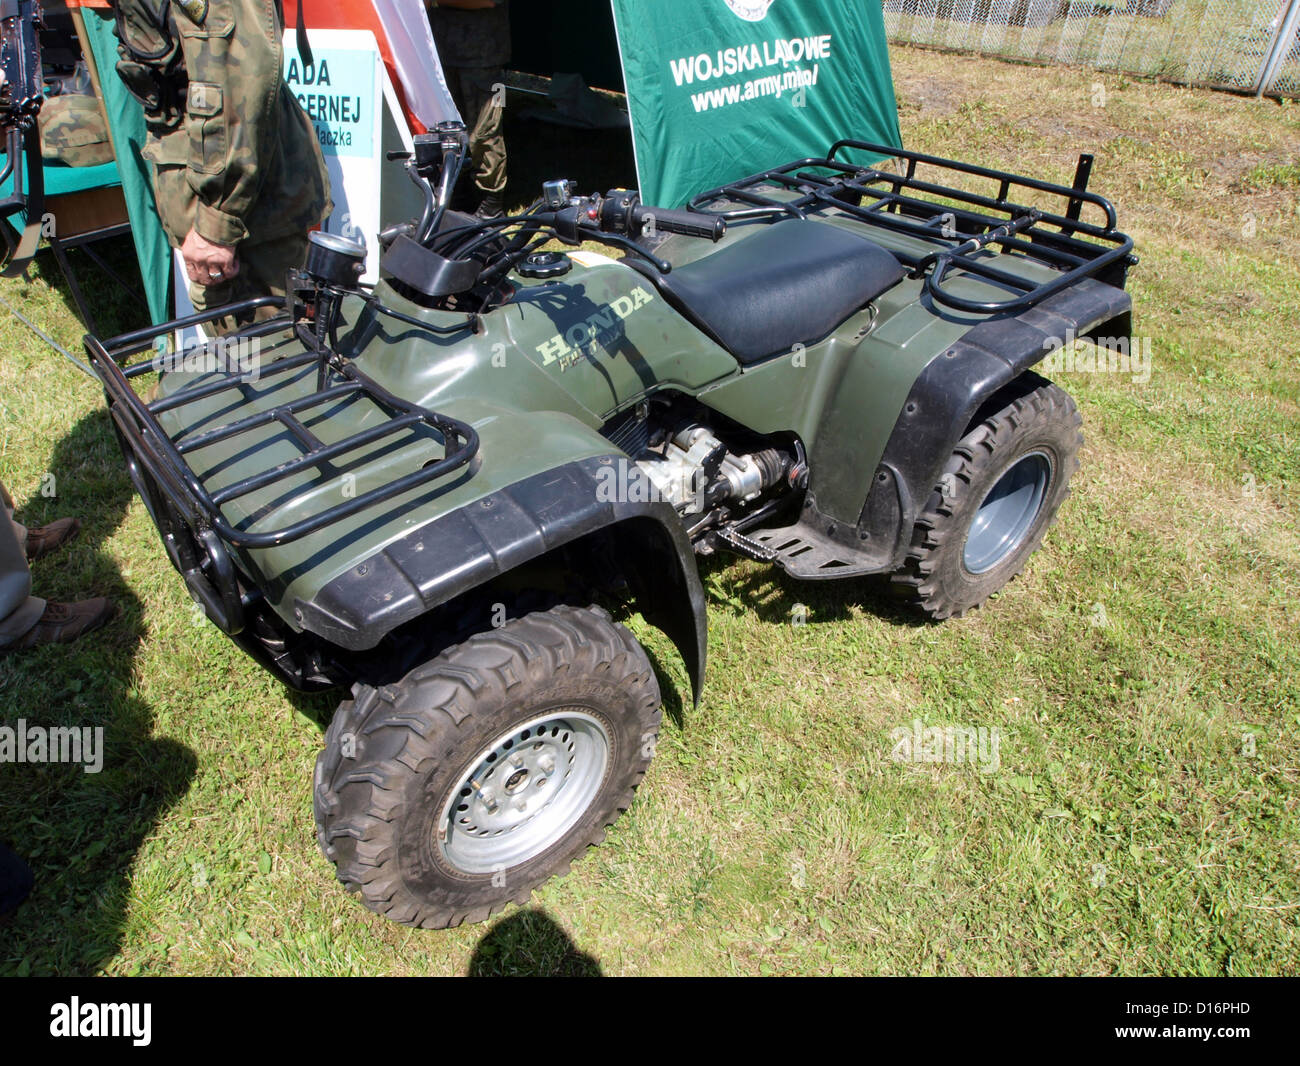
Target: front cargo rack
{"points": [[161, 459], [958, 222]]}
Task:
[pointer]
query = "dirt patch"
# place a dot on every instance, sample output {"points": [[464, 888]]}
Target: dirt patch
{"points": [[929, 98]]}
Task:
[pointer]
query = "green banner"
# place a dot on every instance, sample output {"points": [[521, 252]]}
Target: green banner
{"points": [[718, 89]]}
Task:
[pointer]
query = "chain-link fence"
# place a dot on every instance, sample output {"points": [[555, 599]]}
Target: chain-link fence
{"points": [[1249, 45]]}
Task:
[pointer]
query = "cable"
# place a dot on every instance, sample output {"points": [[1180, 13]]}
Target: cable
{"points": [[50, 340]]}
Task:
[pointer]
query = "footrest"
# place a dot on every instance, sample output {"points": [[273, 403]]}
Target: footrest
{"points": [[743, 545], [802, 552]]}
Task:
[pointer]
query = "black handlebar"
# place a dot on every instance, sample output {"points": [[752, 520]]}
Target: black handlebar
{"points": [[648, 220], [621, 211], [618, 218]]}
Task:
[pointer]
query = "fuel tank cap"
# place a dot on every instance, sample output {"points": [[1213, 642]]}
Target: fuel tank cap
{"points": [[546, 265]]}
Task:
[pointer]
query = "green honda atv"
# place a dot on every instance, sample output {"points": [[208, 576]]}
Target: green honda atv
{"points": [[435, 490]]}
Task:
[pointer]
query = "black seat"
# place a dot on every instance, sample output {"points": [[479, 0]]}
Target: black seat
{"points": [[791, 283]]}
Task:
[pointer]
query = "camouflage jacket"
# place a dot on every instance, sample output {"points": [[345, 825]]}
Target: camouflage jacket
{"points": [[471, 38], [209, 74]]}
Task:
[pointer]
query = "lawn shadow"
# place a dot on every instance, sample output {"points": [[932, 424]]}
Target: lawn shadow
{"points": [[316, 707], [529, 943], [669, 689], [116, 307], [774, 596], [80, 831]]}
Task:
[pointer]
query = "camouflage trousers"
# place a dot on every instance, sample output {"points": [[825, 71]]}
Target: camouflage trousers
{"points": [[482, 110], [263, 263]]}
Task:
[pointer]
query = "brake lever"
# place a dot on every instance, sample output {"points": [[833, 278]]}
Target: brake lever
{"points": [[661, 265], [575, 223]]}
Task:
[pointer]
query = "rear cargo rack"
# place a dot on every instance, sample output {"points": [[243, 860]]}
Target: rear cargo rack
{"points": [[162, 458], [959, 223]]}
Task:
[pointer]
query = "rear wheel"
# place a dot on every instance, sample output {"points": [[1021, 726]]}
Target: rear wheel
{"points": [[998, 494], [489, 769]]}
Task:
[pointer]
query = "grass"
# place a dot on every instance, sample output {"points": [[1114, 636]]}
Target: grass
{"points": [[1142, 673]]}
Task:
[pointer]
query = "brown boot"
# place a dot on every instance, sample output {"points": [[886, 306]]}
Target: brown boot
{"points": [[45, 539], [63, 623], [492, 208]]}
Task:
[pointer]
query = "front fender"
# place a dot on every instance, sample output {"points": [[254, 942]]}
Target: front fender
{"points": [[503, 530]]}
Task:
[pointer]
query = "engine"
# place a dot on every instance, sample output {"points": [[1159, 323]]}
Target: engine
{"points": [[695, 471], [698, 468]]}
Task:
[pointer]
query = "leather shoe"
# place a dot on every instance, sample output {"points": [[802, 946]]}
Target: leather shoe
{"points": [[63, 623], [45, 539]]}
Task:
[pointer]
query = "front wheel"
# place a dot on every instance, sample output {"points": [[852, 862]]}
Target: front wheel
{"points": [[998, 494], [489, 769]]}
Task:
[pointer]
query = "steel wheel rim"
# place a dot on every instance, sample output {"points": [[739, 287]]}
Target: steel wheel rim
{"points": [[1007, 513], [524, 792]]}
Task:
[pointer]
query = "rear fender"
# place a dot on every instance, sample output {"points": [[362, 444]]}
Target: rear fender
{"points": [[950, 390]]}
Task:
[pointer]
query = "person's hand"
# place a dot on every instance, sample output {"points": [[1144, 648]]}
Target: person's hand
{"points": [[207, 263]]}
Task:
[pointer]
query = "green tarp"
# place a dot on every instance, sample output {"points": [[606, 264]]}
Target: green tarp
{"points": [[61, 180], [126, 127], [718, 89]]}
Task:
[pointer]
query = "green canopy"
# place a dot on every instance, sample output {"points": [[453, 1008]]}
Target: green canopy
{"points": [[719, 89], [127, 129]]}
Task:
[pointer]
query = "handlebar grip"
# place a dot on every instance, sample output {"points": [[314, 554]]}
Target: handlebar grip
{"points": [[687, 223]]}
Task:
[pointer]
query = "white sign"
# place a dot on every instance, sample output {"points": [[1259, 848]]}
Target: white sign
{"points": [[343, 95]]}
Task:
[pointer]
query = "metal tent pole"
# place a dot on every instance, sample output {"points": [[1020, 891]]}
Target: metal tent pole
{"points": [[1283, 41]]}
